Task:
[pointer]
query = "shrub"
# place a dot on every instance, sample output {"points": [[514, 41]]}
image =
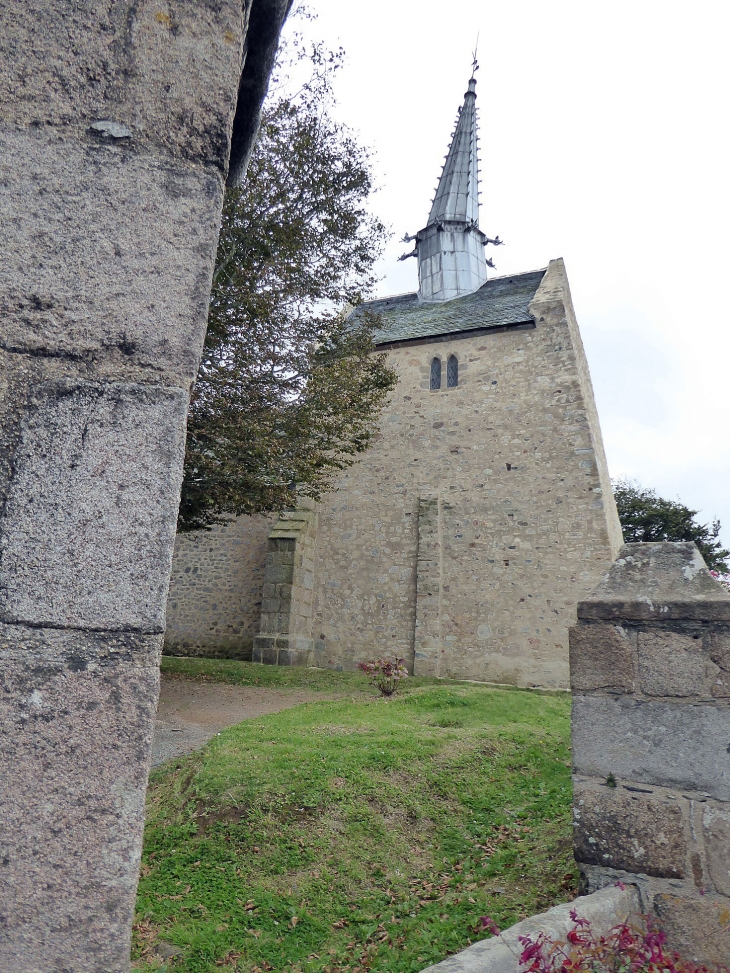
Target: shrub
{"points": [[625, 949], [385, 674]]}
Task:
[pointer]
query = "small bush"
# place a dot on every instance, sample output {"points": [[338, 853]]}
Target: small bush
{"points": [[385, 674], [625, 949]]}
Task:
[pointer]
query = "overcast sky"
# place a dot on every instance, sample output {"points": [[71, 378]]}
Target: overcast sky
{"points": [[604, 140]]}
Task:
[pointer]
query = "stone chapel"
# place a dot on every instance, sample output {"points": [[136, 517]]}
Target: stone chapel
{"points": [[464, 538]]}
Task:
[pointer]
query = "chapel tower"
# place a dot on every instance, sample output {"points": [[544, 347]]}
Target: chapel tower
{"points": [[464, 538]]}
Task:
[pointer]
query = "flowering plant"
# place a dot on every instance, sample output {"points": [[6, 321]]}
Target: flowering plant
{"points": [[723, 579], [385, 674], [625, 949]]}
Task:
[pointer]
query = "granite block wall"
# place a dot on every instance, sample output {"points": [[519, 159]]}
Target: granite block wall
{"points": [[650, 673], [116, 121], [216, 589]]}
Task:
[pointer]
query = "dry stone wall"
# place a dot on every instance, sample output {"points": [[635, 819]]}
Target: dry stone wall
{"points": [[465, 537], [216, 589], [650, 673]]}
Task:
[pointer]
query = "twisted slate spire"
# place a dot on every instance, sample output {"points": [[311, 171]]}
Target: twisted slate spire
{"points": [[457, 193], [450, 248]]}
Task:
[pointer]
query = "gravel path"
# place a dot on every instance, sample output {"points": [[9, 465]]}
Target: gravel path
{"points": [[190, 713]]}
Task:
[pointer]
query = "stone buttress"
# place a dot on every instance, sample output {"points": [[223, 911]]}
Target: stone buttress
{"points": [[285, 635]]}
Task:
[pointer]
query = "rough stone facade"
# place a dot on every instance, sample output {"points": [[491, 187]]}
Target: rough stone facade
{"points": [[216, 589], [463, 540], [116, 119], [650, 673]]}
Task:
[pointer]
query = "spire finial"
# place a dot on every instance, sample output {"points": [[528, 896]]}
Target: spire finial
{"points": [[474, 62]]}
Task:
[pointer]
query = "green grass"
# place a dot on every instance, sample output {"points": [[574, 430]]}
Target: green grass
{"points": [[358, 835], [237, 673]]}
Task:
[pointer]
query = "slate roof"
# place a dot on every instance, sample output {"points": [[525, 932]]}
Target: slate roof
{"points": [[500, 302]]}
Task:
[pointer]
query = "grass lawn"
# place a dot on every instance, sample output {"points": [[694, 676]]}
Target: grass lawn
{"points": [[356, 834], [280, 677]]}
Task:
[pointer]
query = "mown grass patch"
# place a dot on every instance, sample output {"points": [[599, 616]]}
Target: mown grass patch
{"points": [[367, 835], [236, 673]]}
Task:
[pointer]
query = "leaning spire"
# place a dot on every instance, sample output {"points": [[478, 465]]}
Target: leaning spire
{"points": [[450, 248]]}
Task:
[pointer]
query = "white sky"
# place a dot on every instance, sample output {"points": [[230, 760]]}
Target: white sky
{"points": [[604, 140]]}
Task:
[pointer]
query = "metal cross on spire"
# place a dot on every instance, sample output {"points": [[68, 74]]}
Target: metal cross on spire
{"points": [[474, 62]]}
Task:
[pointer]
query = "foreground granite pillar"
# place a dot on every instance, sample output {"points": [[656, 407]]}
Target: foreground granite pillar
{"points": [[650, 673], [115, 130]]}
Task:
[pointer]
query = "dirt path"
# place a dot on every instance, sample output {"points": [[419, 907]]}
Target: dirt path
{"points": [[190, 713]]}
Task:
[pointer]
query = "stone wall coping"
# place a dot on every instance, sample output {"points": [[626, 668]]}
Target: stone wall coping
{"points": [[653, 611], [604, 909], [657, 582]]}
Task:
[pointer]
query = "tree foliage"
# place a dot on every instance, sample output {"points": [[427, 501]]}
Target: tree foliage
{"points": [[289, 388], [645, 516]]}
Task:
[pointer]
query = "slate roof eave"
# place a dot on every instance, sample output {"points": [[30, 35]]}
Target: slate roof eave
{"points": [[499, 303]]}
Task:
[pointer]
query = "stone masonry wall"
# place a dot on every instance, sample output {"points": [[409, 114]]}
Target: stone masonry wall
{"points": [[465, 537], [216, 588], [650, 673]]}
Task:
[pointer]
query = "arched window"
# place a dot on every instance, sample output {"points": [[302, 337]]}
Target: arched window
{"points": [[452, 372], [435, 374]]}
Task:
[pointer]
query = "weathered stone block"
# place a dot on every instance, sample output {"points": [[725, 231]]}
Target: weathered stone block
{"points": [[657, 582], [674, 664], [75, 754], [653, 742], [279, 573], [602, 657], [68, 212], [604, 910], [716, 831], [89, 523], [80, 651], [720, 656], [697, 926], [616, 828], [168, 73], [268, 655]]}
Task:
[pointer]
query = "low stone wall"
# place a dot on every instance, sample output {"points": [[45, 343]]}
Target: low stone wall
{"points": [[650, 673], [604, 910], [216, 589]]}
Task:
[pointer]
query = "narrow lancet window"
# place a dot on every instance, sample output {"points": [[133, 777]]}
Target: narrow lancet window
{"points": [[435, 374], [452, 372]]}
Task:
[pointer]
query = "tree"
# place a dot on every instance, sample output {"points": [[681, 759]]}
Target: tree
{"points": [[290, 388], [646, 517]]}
